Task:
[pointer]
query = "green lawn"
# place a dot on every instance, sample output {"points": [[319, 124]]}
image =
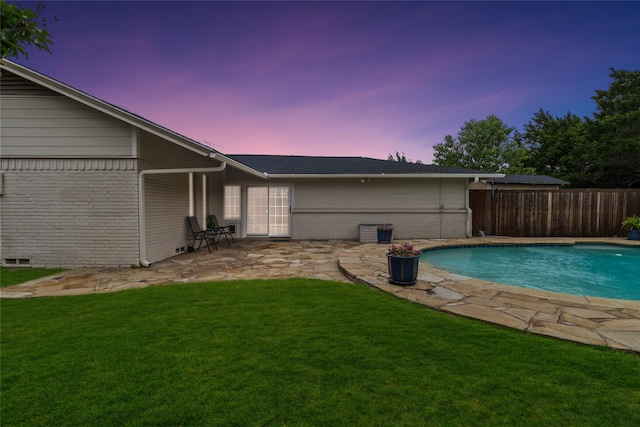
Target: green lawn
{"points": [[297, 353], [13, 276]]}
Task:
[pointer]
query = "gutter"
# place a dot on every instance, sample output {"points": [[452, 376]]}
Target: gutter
{"points": [[141, 205], [469, 228], [382, 175]]}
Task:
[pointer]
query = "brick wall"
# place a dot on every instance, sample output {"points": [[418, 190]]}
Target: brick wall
{"points": [[69, 212]]}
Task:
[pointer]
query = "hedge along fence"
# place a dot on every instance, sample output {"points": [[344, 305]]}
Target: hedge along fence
{"points": [[553, 213]]}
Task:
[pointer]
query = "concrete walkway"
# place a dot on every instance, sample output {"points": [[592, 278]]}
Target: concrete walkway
{"points": [[588, 320]]}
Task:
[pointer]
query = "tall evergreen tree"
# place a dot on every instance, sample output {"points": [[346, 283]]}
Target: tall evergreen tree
{"points": [[559, 147], [602, 151], [615, 130]]}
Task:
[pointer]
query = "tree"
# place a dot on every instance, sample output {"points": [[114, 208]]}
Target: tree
{"points": [[516, 157], [560, 147], [615, 130], [488, 145], [401, 158], [21, 28], [603, 151]]}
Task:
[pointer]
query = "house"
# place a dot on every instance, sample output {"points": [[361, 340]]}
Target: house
{"points": [[86, 183], [520, 182]]}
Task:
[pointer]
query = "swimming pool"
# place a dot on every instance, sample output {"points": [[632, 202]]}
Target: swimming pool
{"points": [[607, 271]]}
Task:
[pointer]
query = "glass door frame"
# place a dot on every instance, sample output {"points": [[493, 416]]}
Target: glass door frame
{"points": [[270, 213]]}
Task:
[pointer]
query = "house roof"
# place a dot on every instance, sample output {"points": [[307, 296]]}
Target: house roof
{"points": [[528, 179], [314, 166]]}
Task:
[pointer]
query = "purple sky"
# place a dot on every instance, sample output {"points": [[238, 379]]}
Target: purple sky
{"points": [[338, 78]]}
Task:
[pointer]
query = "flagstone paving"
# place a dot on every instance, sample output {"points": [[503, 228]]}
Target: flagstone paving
{"points": [[588, 320]]}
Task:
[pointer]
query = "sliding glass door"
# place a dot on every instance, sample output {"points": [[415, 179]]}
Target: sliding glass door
{"points": [[268, 211], [279, 208]]}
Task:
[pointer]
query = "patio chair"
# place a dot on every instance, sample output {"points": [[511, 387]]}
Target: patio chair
{"points": [[201, 236], [218, 230]]}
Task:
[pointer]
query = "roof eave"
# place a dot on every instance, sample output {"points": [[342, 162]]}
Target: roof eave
{"points": [[391, 175], [241, 166]]}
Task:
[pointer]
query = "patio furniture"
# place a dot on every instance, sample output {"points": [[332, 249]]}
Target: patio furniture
{"points": [[218, 230], [201, 236]]}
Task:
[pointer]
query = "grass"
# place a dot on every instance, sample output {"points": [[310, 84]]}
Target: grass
{"points": [[14, 276], [295, 352]]}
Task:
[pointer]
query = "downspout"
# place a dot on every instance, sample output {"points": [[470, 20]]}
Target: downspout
{"points": [[141, 205], [469, 231]]}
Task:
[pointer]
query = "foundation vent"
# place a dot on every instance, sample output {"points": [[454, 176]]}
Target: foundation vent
{"points": [[16, 262]]}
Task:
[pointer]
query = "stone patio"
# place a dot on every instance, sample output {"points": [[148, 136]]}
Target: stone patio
{"points": [[588, 320]]}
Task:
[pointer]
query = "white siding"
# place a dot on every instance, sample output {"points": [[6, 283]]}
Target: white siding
{"points": [[453, 193], [380, 194], [215, 201], [427, 225], [166, 206], [166, 209], [71, 216], [167, 195], [56, 126], [425, 208]]}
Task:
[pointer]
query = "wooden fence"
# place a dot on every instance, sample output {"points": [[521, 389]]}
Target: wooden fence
{"points": [[555, 213]]}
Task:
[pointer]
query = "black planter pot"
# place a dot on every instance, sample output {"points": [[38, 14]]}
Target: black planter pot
{"points": [[385, 236], [403, 270], [633, 235]]}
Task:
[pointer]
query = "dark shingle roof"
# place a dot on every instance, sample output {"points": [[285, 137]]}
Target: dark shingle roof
{"points": [[307, 165], [528, 179]]}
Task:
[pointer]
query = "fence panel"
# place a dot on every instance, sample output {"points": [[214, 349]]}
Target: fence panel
{"points": [[553, 213], [482, 208]]}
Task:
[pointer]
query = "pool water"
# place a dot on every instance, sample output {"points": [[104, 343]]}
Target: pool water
{"points": [[589, 270]]}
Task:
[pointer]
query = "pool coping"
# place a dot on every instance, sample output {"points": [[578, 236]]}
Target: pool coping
{"points": [[609, 322]]}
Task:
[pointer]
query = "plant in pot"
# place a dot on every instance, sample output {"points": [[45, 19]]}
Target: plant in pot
{"points": [[632, 225], [403, 264], [385, 233]]}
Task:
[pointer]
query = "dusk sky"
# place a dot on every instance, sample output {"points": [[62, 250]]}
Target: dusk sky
{"points": [[338, 78]]}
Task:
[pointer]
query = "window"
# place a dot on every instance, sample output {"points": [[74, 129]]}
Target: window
{"points": [[232, 202], [258, 211], [278, 211]]}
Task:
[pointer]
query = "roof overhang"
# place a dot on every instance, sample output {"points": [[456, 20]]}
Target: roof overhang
{"points": [[237, 165], [385, 176]]}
